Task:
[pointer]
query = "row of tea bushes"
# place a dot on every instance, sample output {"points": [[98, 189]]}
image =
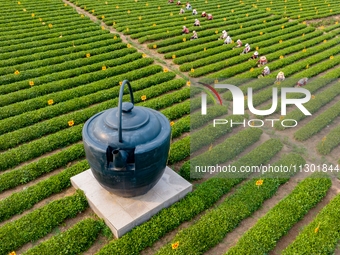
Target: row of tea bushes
{"points": [[263, 236], [111, 86], [313, 85], [40, 222], [267, 43], [212, 227], [75, 240], [322, 120], [210, 37], [331, 140], [322, 234], [196, 51], [317, 102], [275, 55], [28, 197], [182, 149], [223, 152], [45, 165], [98, 44], [294, 67]]}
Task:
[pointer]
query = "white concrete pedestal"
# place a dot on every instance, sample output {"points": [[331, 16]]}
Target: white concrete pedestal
{"points": [[122, 214]]}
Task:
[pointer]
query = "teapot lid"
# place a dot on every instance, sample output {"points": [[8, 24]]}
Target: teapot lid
{"points": [[132, 118]]}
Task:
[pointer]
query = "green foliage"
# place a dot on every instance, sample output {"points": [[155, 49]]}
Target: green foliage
{"points": [[321, 121], [207, 39], [177, 111], [25, 199], [281, 49], [332, 139], [33, 170], [181, 126], [40, 222], [268, 42], [262, 237], [122, 57], [179, 150], [211, 228], [193, 53], [198, 120], [221, 153], [29, 118], [75, 240], [313, 106], [322, 235], [313, 86], [208, 134], [209, 29], [36, 148]]}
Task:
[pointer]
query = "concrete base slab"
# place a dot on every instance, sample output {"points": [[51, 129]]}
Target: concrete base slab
{"points": [[122, 214]]}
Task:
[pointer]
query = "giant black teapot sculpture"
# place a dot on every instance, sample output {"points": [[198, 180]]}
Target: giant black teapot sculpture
{"points": [[127, 147]]}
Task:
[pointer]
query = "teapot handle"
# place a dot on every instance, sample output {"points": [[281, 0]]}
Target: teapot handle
{"points": [[128, 108]]}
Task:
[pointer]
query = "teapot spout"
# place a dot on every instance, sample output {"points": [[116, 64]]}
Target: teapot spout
{"points": [[119, 159]]}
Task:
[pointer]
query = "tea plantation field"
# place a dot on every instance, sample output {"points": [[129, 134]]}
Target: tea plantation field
{"points": [[64, 61]]}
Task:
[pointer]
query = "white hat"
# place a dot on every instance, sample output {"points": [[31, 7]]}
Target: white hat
{"points": [[196, 19], [224, 31], [256, 53], [247, 44], [194, 31], [266, 67], [184, 26]]}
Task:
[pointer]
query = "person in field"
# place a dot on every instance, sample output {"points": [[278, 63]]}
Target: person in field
{"points": [[265, 71], [185, 30], [302, 82], [238, 43], [227, 40], [170, 1], [246, 49], [178, 3], [197, 23], [204, 14], [181, 11], [280, 77], [224, 35], [194, 35], [209, 16], [262, 61], [188, 6], [194, 12], [255, 55]]}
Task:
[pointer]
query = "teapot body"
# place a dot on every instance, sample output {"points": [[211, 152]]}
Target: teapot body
{"points": [[127, 150]]}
